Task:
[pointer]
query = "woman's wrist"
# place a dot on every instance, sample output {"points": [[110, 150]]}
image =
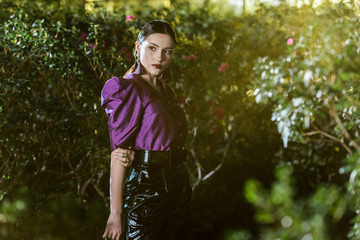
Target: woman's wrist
{"points": [[116, 213]]}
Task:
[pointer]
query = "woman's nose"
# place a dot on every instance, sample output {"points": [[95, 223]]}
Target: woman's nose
{"points": [[158, 56]]}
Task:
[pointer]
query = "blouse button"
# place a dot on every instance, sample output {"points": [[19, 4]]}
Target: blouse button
{"points": [[180, 135], [178, 123]]}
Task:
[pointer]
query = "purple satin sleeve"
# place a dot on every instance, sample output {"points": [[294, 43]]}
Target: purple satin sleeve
{"points": [[124, 108], [140, 117]]}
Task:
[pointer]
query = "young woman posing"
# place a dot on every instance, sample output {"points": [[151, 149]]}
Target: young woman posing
{"points": [[147, 132]]}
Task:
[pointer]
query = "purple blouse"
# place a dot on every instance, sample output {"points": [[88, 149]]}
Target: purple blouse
{"points": [[141, 117]]}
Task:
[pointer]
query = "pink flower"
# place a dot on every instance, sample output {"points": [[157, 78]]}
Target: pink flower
{"points": [[123, 50], [91, 46], [83, 37], [223, 67], [192, 56], [218, 113], [290, 41], [129, 18], [214, 129], [184, 56], [129, 57]]}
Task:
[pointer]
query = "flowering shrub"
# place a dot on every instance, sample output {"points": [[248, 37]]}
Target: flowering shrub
{"points": [[223, 67], [130, 18], [54, 138], [290, 41], [312, 89]]}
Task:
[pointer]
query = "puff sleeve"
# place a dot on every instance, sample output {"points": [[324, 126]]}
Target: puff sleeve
{"points": [[123, 106]]}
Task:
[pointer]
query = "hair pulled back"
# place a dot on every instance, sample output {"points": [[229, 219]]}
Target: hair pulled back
{"points": [[155, 26]]}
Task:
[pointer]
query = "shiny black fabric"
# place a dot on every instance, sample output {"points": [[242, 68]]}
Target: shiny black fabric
{"points": [[167, 158], [157, 203]]}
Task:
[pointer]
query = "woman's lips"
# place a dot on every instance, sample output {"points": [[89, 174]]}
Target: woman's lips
{"points": [[158, 66]]}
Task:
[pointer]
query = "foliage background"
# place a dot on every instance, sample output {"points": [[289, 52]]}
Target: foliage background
{"points": [[55, 151]]}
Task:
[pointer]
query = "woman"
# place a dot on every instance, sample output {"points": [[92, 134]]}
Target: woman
{"points": [[143, 116]]}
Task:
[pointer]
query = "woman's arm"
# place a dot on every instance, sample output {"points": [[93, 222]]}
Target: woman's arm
{"points": [[117, 176], [113, 226]]}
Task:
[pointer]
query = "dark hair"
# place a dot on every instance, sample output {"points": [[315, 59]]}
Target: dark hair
{"points": [[155, 26]]}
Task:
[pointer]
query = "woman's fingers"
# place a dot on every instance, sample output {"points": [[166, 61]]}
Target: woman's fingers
{"points": [[117, 236], [131, 155], [105, 235], [123, 156], [111, 234]]}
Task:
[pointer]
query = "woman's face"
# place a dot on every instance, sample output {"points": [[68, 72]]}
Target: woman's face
{"points": [[156, 53]]}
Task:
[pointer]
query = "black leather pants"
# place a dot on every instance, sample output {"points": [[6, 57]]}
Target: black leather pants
{"points": [[157, 203]]}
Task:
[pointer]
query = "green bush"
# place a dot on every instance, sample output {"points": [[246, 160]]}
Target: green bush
{"points": [[55, 151], [54, 133], [312, 89], [285, 217]]}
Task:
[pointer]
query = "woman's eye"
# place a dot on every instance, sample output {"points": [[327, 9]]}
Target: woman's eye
{"points": [[152, 48], [168, 51]]}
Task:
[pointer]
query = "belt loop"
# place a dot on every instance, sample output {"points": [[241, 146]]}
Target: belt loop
{"points": [[146, 156]]}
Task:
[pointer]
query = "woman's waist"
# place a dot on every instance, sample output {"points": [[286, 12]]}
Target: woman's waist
{"points": [[169, 158]]}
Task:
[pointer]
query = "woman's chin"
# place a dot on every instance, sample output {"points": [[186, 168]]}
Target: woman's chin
{"points": [[155, 72]]}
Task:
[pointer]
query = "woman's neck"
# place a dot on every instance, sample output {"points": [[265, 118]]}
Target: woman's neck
{"points": [[153, 80]]}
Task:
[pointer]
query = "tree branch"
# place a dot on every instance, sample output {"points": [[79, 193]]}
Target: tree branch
{"points": [[343, 130], [86, 184], [199, 167], [335, 139], [222, 159]]}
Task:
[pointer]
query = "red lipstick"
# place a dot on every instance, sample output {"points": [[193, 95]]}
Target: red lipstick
{"points": [[158, 66]]}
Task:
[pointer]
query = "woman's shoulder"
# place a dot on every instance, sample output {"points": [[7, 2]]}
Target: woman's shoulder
{"points": [[118, 84], [119, 81]]}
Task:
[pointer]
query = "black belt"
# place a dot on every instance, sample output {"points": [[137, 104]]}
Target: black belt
{"points": [[165, 158]]}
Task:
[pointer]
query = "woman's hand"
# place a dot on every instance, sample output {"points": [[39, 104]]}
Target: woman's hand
{"points": [[123, 156], [120, 159], [113, 228]]}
